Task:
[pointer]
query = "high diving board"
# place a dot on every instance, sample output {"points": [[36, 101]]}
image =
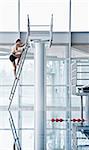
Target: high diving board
{"points": [[84, 90]]}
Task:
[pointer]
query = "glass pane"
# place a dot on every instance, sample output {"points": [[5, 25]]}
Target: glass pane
{"points": [[56, 51], [56, 114], [28, 140], [76, 114], [80, 15], [27, 119], [56, 96], [8, 15], [6, 72], [27, 95], [6, 140], [40, 13], [28, 72], [4, 119], [4, 96], [55, 72], [75, 102], [55, 139]]}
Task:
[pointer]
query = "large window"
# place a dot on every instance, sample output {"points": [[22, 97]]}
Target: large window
{"points": [[40, 13], [80, 15], [23, 102], [8, 15]]}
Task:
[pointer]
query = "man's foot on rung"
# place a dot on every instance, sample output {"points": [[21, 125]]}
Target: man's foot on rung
{"points": [[17, 78]]}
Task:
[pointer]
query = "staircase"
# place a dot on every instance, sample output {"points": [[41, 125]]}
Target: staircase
{"points": [[80, 137], [80, 87]]}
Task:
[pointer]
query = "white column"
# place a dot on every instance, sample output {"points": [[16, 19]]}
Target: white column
{"points": [[40, 100], [68, 99], [87, 110], [18, 18], [68, 56]]}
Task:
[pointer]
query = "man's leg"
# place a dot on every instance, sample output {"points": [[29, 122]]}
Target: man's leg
{"points": [[14, 65], [18, 57], [14, 146]]}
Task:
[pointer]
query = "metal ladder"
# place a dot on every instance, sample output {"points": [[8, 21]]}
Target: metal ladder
{"points": [[13, 89]]}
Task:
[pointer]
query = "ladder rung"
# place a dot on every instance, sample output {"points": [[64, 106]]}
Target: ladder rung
{"points": [[12, 93], [40, 25]]}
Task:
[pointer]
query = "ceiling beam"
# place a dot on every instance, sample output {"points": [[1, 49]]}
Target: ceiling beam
{"points": [[59, 38]]}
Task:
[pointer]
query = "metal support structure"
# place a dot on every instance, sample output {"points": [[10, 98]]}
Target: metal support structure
{"points": [[28, 25], [56, 101], [51, 30], [80, 137], [87, 110], [53, 114], [40, 98], [82, 110], [18, 18], [68, 82], [67, 94]]}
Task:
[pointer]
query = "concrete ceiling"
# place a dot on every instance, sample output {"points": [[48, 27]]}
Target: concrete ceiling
{"points": [[84, 48]]}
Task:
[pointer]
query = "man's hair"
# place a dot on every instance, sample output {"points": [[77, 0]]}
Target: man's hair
{"points": [[18, 40]]}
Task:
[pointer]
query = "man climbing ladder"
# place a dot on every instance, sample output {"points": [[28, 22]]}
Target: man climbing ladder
{"points": [[16, 52]]}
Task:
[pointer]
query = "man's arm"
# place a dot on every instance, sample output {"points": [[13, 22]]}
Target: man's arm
{"points": [[22, 44], [19, 45]]}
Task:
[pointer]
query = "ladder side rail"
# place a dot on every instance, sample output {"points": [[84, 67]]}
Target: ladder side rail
{"points": [[22, 55], [12, 90], [15, 138], [14, 127], [13, 122], [22, 62], [21, 58], [20, 67]]}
